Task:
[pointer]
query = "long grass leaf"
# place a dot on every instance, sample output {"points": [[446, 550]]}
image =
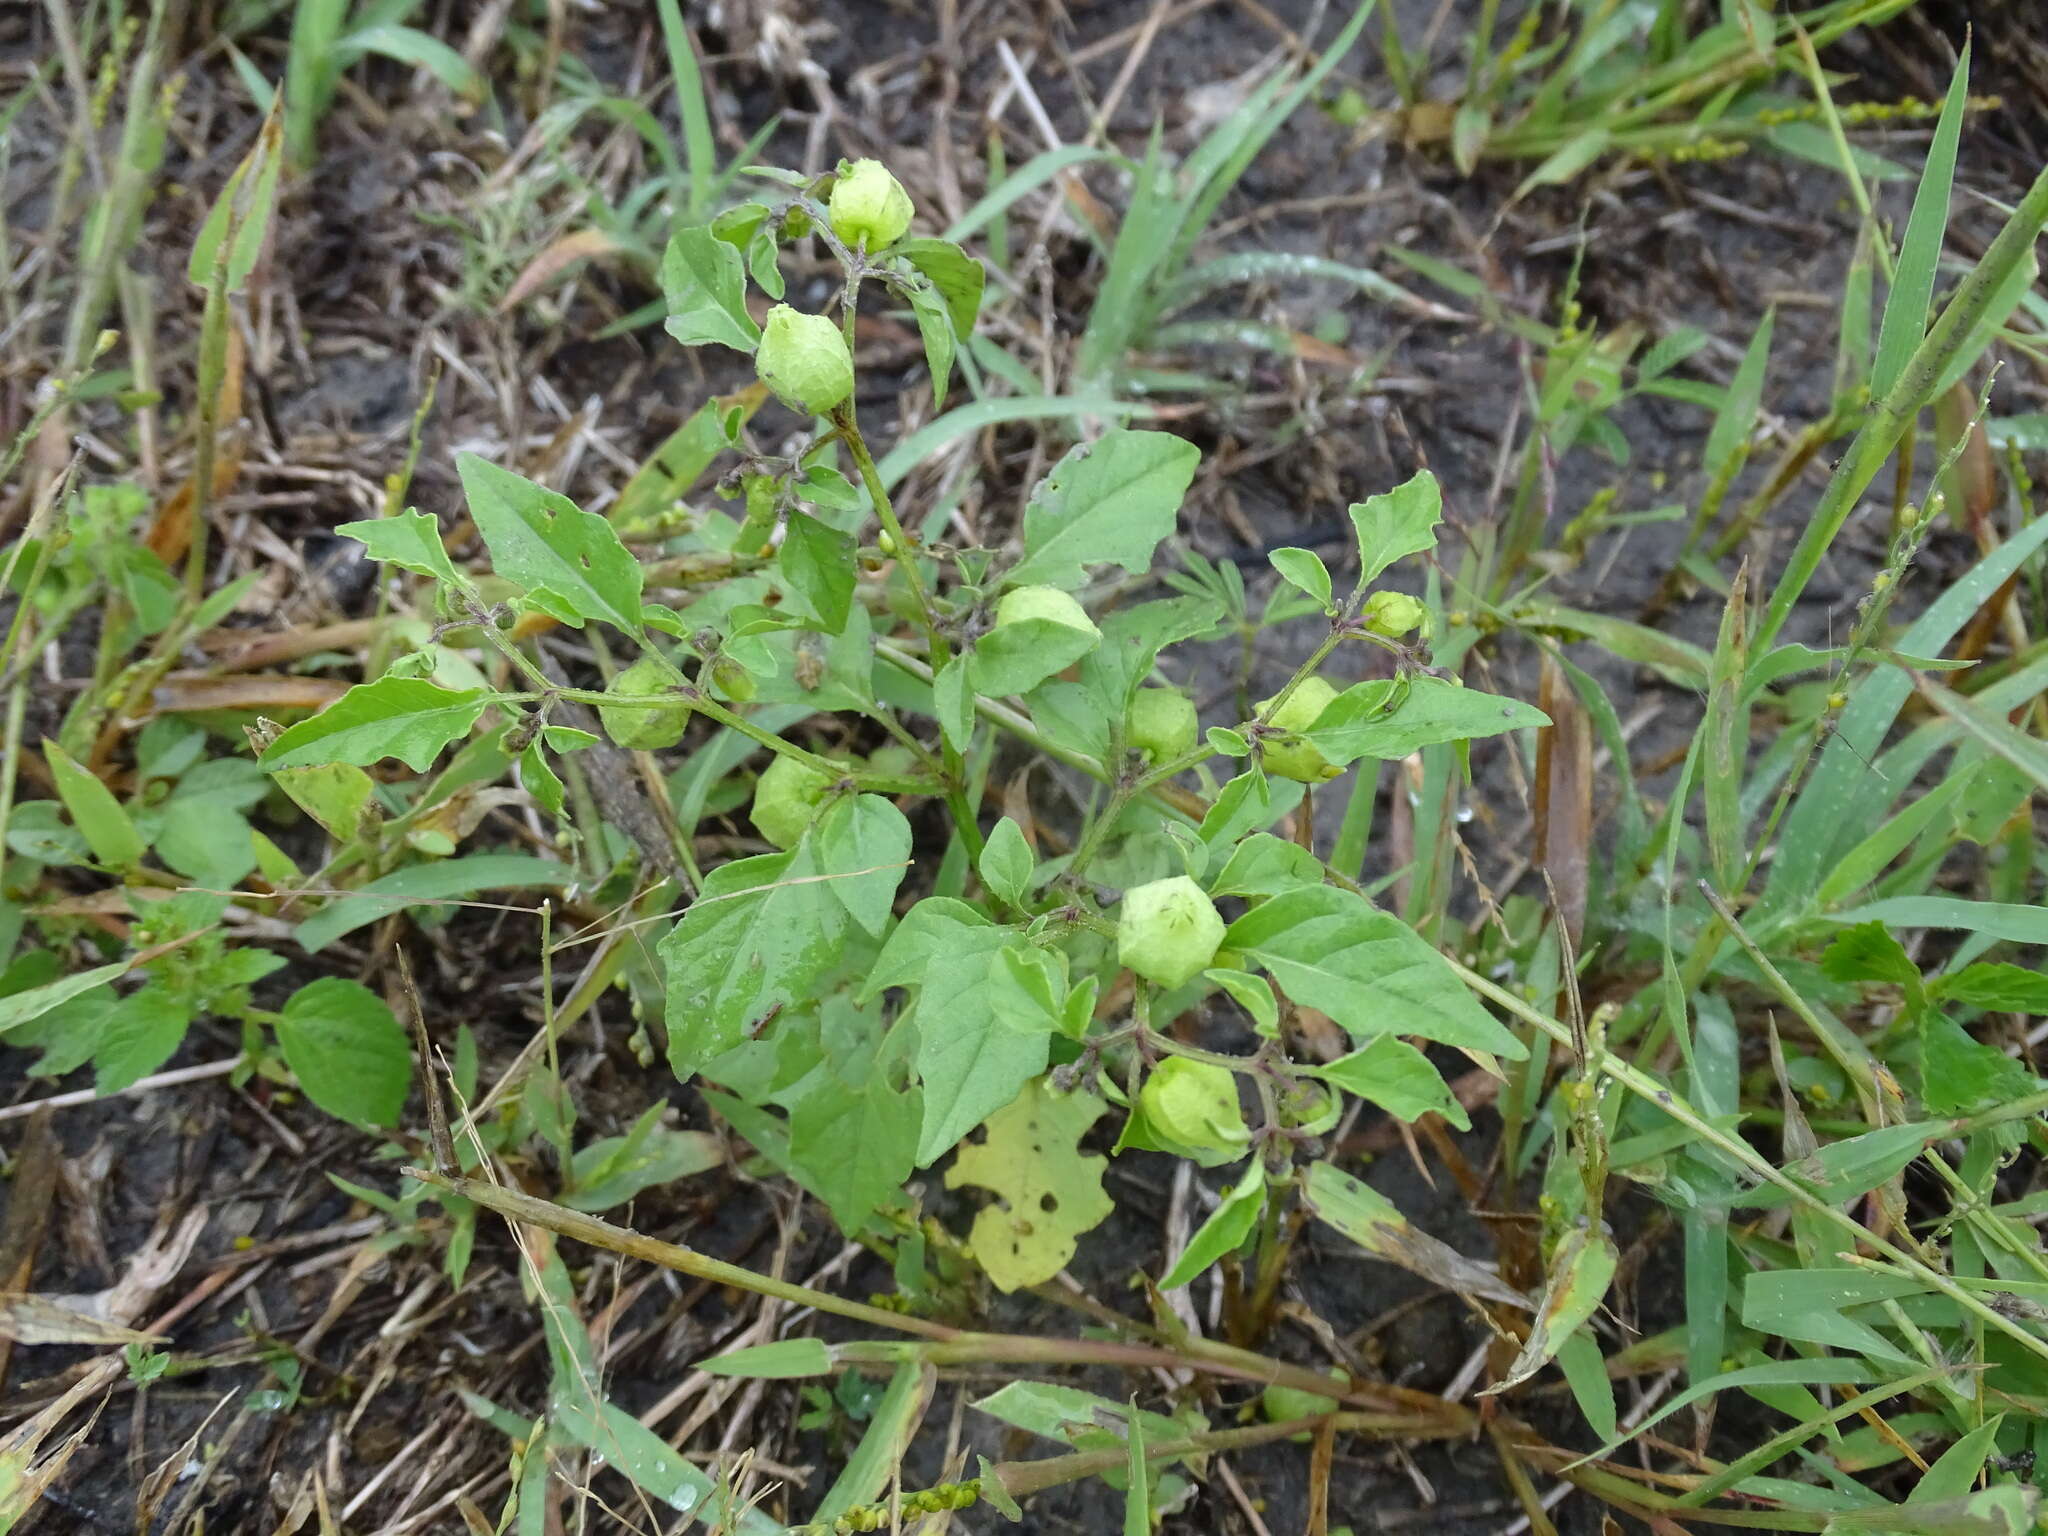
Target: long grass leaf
{"points": [[1905, 311]]}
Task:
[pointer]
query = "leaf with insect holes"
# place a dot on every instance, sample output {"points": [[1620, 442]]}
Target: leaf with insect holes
{"points": [[1225, 1230], [570, 562], [1396, 524], [347, 1051], [1110, 501], [1048, 1192], [402, 717], [1334, 951], [411, 541], [705, 283], [1359, 722], [957, 276]]}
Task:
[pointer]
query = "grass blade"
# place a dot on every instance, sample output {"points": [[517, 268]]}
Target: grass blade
{"points": [[1905, 311]]}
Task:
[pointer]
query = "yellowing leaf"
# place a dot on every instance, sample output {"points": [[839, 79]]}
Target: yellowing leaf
{"points": [[1579, 1273], [1048, 1191]]}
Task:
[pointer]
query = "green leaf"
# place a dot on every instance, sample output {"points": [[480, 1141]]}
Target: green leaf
{"points": [[784, 1360], [1016, 657], [1868, 952], [1358, 723], [818, 564], [347, 1051], [1305, 569], [1585, 1371], [978, 1042], [957, 276], [1905, 310], [1992, 919], [935, 327], [1735, 422], [402, 717], [758, 934], [1844, 1170], [19, 1008], [1006, 862], [1959, 1075], [953, 702], [1334, 951], [1265, 865], [862, 843], [1068, 1415], [858, 1142], [1254, 994], [1108, 501], [570, 562], [1137, 1471], [205, 834], [705, 282], [538, 778], [138, 1035], [2005, 988], [1396, 524], [614, 1169], [1048, 1192], [246, 202], [411, 541], [94, 810], [1394, 1075], [879, 1457], [1225, 1230], [422, 884]]}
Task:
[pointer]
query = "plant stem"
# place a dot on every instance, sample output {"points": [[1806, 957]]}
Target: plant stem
{"points": [[964, 820]]}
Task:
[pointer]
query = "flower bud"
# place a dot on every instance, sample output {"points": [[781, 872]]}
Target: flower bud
{"points": [[1161, 723], [803, 358], [1168, 931], [1044, 603], [732, 680], [1393, 614], [786, 799], [644, 730], [1195, 1104], [869, 208], [1292, 756]]}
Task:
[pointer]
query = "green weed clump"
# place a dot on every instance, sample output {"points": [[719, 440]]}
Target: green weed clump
{"points": [[1805, 953]]}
